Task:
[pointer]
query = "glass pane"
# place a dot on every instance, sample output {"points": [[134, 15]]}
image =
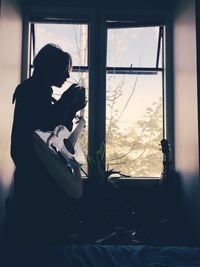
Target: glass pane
{"points": [[136, 47], [72, 38], [160, 63], [134, 124]]}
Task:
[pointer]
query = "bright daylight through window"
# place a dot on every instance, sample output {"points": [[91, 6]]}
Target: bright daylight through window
{"points": [[134, 90], [134, 100]]}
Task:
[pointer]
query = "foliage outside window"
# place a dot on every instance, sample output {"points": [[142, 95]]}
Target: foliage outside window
{"points": [[134, 98]]}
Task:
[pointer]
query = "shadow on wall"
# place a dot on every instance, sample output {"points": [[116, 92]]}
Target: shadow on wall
{"points": [[2, 206], [6, 187], [184, 210]]}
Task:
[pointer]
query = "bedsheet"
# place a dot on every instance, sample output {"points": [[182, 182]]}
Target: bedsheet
{"points": [[90, 255]]}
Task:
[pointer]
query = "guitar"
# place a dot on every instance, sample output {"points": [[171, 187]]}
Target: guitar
{"points": [[62, 156], [166, 162], [64, 143]]}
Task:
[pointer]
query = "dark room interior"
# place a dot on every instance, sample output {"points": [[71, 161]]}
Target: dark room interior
{"points": [[138, 200]]}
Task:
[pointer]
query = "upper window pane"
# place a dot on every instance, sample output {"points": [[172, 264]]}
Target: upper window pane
{"points": [[73, 38], [136, 47]]}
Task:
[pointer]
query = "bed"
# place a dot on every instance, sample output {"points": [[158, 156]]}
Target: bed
{"points": [[90, 255]]}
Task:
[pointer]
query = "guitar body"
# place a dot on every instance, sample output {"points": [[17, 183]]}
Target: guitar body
{"points": [[59, 142], [62, 156]]}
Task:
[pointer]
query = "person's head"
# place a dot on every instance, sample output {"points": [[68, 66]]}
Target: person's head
{"points": [[53, 64]]}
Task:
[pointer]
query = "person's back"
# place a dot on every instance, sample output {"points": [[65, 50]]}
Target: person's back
{"points": [[37, 200], [39, 211]]}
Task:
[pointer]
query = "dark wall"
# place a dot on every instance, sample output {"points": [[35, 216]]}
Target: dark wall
{"points": [[144, 4], [10, 69], [198, 52], [186, 126]]}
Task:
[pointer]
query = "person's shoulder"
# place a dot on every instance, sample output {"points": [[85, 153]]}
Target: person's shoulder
{"points": [[27, 83], [24, 89]]}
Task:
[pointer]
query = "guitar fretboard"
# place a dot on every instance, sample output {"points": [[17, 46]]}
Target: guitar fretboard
{"points": [[74, 136]]}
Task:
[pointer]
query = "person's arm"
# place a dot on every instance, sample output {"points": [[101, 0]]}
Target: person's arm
{"points": [[24, 123], [71, 101]]}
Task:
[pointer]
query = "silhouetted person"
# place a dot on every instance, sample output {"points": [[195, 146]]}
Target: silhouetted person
{"points": [[40, 208]]}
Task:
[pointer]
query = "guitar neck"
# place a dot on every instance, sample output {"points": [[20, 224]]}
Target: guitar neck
{"points": [[166, 161], [74, 136]]}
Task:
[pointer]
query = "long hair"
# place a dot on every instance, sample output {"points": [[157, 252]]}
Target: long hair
{"points": [[50, 57]]}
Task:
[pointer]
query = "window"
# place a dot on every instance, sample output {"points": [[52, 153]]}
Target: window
{"points": [[134, 99], [133, 119], [72, 38]]}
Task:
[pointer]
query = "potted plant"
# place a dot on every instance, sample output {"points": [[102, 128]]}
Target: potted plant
{"points": [[99, 173]]}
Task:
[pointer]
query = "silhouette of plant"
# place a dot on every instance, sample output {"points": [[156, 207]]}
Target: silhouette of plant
{"points": [[96, 165]]}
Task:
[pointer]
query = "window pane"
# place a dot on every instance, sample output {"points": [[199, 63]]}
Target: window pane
{"points": [[72, 38], [134, 124], [160, 63], [136, 47]]}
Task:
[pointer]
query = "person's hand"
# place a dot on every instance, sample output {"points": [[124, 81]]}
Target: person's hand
{"points": [[70, 94], [74, 96], [79, 102]]}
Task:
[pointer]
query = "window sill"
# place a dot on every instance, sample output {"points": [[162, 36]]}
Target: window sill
{"points": [[144, 181]]}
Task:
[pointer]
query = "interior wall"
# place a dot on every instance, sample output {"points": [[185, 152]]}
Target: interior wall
{"points": [[186, 139], [142, 4], [198, 52], [10, 74]]}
